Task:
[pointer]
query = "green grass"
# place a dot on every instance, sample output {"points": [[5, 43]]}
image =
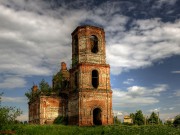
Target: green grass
{"points": [[95, 130]]}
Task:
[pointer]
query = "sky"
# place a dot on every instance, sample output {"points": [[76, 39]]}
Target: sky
{"points": [[142, 48]]}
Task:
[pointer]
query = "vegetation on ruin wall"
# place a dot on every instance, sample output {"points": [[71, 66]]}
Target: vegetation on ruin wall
{"points": [[43, 89], [57, 80], [96, 130]]}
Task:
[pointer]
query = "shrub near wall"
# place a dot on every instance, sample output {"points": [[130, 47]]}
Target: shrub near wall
{"points": [[61, 120]]}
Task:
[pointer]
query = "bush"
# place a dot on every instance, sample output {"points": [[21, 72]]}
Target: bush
{"points": [[126, 123], [61, 120], [176, 122], [8, 115], [168, 123], [116, 120]]}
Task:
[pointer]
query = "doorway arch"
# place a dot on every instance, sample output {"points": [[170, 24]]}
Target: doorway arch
{"points": [[97, 116]]}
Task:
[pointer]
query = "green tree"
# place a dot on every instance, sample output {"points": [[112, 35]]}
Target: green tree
{"points": [[57, 81], [8, 115], [32, 95], [176, 122], [168, 123], [139, 118], [153, 119], [132, 115], [116, 120], [0, 97], [44, 87]]}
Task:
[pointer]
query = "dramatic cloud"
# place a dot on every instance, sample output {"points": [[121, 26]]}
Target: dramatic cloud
{"points": [[149, 41], [38, 38], [137, 96], [34, 44], [31, 43]]}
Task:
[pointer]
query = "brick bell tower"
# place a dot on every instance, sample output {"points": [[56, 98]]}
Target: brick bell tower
{"points": [[90, 95]]}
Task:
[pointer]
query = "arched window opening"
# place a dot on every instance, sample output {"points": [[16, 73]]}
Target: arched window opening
{"points": [[94, 44], [95, 78], [75, 44], [97, 116]]}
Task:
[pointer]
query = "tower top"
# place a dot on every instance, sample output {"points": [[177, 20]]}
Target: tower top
{"points": [[34, 88], [88, 45], [63, 66], [86, 27]]}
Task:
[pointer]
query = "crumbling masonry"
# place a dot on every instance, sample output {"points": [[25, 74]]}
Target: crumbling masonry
{"points": [[85, 94]]}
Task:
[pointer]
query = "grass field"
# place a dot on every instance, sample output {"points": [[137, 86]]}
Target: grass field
{"points": [[96, 130]]}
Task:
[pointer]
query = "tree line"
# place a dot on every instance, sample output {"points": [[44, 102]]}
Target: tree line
{"points": [[139, 119], [8, 115]]}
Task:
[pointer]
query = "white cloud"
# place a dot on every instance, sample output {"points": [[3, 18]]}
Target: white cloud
{"points": [[137, 96], [32, 43], [171, 108], [165, 116], [177, 93], [40, 38], [155, 110], [23, 117], [13, 99], [164, 113], [138, 91], [128, 81], [148, 41], [161, 3], [117, 113], [170, 2], [175, 72], [12, 82]]}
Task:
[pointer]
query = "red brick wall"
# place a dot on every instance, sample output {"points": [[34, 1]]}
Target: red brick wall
{"points": [[90, 100], [34, 112], [46, 108], [85, 76], [84, 98], [84, 47]]}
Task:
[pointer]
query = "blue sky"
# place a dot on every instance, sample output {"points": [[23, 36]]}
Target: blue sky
{"points": [[142, 48]]}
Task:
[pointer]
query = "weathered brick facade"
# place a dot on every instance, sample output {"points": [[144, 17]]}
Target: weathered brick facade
{"points": [[85, 91], [46, 108]]}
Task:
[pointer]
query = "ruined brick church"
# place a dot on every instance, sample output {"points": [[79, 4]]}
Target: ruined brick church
{"points": [[85, 95]]}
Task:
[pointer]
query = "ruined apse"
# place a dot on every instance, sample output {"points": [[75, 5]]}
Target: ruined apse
{"points": [[84, 91]]}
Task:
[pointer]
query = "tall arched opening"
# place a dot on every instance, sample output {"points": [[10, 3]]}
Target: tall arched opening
{"points": [[97, 116], [95, 78], [94, 44]]}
